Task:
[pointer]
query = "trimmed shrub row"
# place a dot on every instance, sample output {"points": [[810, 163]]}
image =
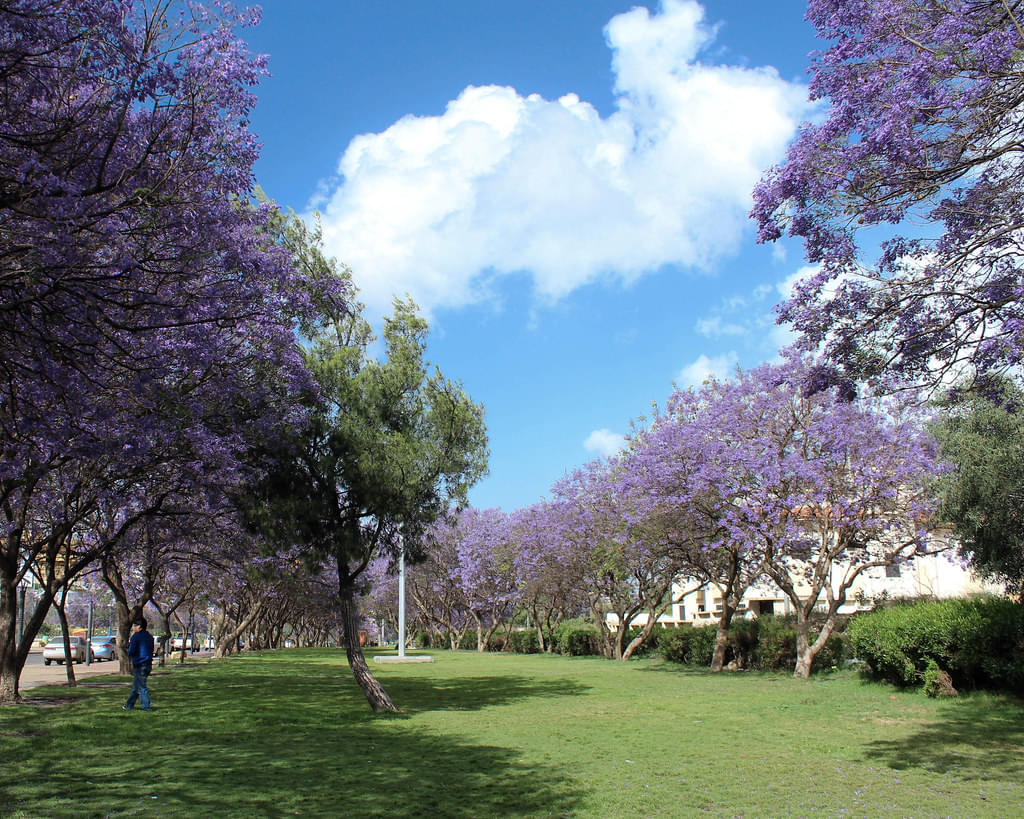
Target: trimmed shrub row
{"points": [[978, 641], [576, 638], [766, 644]]}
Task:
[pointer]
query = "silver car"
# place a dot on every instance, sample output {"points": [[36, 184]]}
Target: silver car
{"points": [[54, 650], [104, 648]]}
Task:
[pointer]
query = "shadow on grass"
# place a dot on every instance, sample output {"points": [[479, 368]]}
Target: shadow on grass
{"points": [[971, 740], [241, 742], [416, 695]]}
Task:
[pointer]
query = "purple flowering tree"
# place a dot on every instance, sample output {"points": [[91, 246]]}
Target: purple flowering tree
{"points": [[148, 323], [922, 129], [630, 566], [550, 567], [817, 488], [435, 586], [675, 475], [486, 569]]}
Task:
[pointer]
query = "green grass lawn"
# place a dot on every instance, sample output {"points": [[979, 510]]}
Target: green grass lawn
{"points": [[288, 733]]}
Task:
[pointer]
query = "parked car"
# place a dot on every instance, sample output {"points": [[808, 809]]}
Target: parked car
{"points": [[187, 641], [104, 648], [54, 650]]}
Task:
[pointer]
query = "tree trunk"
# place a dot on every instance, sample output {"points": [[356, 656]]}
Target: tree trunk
{"points": [[541, 647], [804, 655], [10, 667], [14, 654], [722, 636], [227, 639], [806, 651], [69, 660], [489, 634], [374, 691], [641, 638]]}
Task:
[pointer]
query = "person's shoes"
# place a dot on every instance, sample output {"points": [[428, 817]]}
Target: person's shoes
{"points": [[147, 709], [126, 708]]}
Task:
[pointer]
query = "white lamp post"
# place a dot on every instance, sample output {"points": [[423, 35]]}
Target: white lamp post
{"points": [[401, 602]]}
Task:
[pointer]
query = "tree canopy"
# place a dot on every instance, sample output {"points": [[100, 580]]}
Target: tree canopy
{"points": [[148, 325], [922, 133], [982, 434], [389, 445]]}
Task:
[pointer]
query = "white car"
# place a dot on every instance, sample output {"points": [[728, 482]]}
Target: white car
{"points": [[54, 650], [190, 642]]}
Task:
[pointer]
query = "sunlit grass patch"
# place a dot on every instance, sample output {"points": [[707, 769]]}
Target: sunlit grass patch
{"points": [[288, 733]]}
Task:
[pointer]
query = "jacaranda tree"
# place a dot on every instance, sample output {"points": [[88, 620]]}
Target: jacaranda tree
{"points": [[550, 565], [628, 565], [815, 488], [923, 133], [147, 322], [674, 475]]}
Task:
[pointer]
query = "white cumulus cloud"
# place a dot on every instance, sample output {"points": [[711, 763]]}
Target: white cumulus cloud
{"points": [[720, 367], [502, 183], [604, 442]]}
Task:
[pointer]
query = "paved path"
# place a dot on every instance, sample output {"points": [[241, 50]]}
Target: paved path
{"points": [[53, 674]]}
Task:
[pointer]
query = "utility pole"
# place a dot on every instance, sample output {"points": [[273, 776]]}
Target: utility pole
{"points": [[21, 613]]}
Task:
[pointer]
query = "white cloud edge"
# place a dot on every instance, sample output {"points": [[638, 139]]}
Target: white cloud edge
{"points": [[442, 206], [604, 442]]}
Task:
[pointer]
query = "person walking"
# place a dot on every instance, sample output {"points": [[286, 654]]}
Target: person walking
{"points": [[140, 652]]}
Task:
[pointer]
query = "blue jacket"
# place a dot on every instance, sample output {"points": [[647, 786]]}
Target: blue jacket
{"points": [[140, 648]]}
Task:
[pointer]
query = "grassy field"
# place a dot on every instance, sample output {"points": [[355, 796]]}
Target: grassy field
{"points": [[287, 733]]}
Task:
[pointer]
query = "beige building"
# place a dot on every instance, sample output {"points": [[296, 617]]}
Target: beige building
{"points": [[941, 575]]}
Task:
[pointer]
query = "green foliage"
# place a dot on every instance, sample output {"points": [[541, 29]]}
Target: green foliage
{"points": [[576, 638], [743, 640], [524, 642], [978, 641], [832, 655], [391, 443], [765, 644], [688, 645], [776, 647], [421, 640], [649, 646], [933, 685], [982, 434]]}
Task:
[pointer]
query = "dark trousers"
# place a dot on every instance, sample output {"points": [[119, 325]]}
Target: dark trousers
{"points": [[139, 690]]}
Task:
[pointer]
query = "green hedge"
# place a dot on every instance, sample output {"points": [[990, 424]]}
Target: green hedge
{"points": [[688, 645], [576, 638], [978, 641], [766, 644], [524, 642]]}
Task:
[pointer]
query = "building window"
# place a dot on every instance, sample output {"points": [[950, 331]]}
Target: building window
{"points": [[892, 570]]}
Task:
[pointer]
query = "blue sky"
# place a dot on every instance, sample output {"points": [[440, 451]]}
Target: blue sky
{"points": [[561, 185]]}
